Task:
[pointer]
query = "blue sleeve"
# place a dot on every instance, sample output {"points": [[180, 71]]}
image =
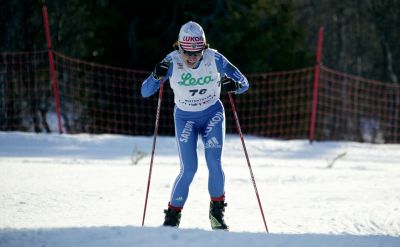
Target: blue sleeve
{"points": [[151, 85], [226, 68]]}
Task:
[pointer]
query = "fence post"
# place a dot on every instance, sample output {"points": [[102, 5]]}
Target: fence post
{"points": [[51, 65], [316, 84]]}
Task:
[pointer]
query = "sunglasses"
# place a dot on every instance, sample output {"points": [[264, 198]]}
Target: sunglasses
{"points": [[193, 53]]}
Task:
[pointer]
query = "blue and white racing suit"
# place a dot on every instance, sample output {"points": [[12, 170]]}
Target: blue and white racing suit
{"points": [[198, 110]]}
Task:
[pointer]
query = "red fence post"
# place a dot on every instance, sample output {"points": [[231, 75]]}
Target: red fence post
{"points": [[51, 64], [316, 84]]}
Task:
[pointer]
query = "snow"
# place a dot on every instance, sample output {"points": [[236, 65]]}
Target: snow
{"points": [[89, 190]]}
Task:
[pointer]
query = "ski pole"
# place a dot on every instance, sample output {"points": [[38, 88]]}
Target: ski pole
{"points": [[247, 158], [160, 95]]}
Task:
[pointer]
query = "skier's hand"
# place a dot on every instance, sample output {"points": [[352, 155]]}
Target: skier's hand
{"points": [[228, 85], [160, 70]]}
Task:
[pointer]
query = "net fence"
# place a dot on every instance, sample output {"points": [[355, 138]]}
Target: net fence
{"points": [[99, 99]]}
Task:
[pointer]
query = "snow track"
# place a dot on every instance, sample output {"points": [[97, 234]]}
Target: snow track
{"points": [[86, 185]]}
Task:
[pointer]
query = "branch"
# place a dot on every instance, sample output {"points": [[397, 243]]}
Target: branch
{"points": [[330, 163]]}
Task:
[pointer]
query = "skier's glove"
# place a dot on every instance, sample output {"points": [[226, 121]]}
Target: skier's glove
{"points": [[160, 70], [228, 85]]}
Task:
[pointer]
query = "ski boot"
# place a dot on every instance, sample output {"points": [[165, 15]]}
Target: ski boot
{"points": [[172, 217], [217, 209]]}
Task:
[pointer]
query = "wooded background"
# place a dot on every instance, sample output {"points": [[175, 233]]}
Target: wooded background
{"points": [[360, 37]]}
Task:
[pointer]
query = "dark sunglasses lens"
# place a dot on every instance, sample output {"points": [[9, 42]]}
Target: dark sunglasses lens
{"points": [[192, 53]]}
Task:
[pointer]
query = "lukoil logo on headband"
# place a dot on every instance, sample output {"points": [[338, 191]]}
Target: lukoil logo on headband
{"points": [[191, 38]]}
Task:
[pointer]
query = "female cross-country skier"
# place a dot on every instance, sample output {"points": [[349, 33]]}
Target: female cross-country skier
{"points": [[197, 75]]}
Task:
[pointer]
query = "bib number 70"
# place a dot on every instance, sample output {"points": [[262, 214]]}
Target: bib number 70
{"points": [[195, 91]]}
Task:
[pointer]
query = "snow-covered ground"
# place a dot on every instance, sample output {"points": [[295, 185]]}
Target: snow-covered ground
{"points": [[86, 190]]}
